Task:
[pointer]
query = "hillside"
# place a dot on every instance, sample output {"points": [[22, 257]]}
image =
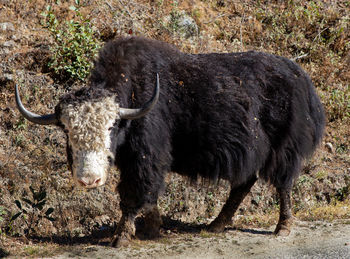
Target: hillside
{"points": [[316, 34]]}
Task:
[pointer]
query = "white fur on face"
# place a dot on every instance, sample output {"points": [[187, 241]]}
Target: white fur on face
{"points": [[89, 135]]}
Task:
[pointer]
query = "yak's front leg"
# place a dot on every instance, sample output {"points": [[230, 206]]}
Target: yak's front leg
{"points": [[126, 226], [125, 230], [285, 220], [136, 194], [132, 199]]}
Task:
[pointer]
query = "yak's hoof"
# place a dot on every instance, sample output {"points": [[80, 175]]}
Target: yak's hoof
{"points": [[152, 223], [121, 240], [282, 231], [124, 233], [216, 226]]}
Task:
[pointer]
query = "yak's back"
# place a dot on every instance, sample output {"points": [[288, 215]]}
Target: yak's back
{"points": [[254, 95]]}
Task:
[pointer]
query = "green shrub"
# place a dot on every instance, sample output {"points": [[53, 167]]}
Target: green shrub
{"points": [[2, 213], [337, 104], [75, 44], [34, 211]]}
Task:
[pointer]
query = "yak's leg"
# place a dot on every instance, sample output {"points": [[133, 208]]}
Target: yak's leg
{"points": [[285, 221], [152, 222], [125, 230], [236, 197], [126, 226], [135, 194]]}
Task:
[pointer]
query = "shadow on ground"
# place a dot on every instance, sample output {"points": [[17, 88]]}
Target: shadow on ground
{"points": [[103, 235]]}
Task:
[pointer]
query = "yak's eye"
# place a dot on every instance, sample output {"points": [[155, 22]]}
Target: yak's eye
{"points": [[109, 159], [110, 128]]}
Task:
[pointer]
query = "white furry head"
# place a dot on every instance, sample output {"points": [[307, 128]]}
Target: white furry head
{"points": [[89, 127]]}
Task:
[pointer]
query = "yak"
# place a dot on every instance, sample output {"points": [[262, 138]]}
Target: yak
{"points": [[150, 109]]}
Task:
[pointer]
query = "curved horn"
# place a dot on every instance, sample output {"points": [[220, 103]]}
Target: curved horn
{"points": [[132, 114], [38, 119]]}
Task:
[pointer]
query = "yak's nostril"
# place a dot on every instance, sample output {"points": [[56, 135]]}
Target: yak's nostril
{"points": [[89, 182], [97, 180], [82, 183]]}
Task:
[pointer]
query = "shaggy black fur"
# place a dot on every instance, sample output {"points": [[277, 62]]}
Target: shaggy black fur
{"points": [[219, 116]]}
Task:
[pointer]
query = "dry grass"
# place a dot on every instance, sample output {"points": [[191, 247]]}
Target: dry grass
{"points": [[337, 210]]}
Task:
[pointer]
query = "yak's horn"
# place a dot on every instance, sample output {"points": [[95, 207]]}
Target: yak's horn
{"points": [[38, 119], [132, 114]]}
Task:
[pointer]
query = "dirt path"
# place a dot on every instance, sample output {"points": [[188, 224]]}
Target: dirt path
{"points": [[308, 240]]}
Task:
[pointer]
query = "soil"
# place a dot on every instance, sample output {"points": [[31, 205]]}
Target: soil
{"points": [[307, 240]]}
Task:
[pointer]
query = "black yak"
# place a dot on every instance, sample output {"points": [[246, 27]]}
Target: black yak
{"points": [[231, 116]]}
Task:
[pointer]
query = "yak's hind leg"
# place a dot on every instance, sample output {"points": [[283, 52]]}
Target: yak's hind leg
{"points": [[236, 197], [285, 220]]}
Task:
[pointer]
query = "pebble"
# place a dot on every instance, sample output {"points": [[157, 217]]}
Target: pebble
{"points": [[14, 37], [329, 147], [9, 44], [7, 26], [6, 77], [186, 26]]}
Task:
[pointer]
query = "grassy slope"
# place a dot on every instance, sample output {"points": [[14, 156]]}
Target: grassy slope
{"points": [[316, 33]]}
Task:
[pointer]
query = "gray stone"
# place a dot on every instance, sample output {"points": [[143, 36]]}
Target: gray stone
{"points": [[7, 26], [188, 26], [7, 77], [9, 44], [182, 24], [329, 147], [14, 37]]}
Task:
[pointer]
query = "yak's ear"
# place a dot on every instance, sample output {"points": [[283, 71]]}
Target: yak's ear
{"points": [[131, 114]]}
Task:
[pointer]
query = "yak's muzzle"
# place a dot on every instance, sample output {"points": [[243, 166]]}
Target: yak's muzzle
{"points": [[90, 169]]}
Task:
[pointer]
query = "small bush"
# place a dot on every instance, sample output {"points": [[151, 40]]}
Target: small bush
{"points": [[181, 24], [75, 44], [2, 213], [34, 212], [3, 253], [338, 104]]}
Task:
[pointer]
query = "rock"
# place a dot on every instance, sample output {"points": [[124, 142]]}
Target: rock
{"points": [[183, 24], [329, 147], [7, 26], [9, 44], [188, 26], [6, 78], [14, 37]]}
